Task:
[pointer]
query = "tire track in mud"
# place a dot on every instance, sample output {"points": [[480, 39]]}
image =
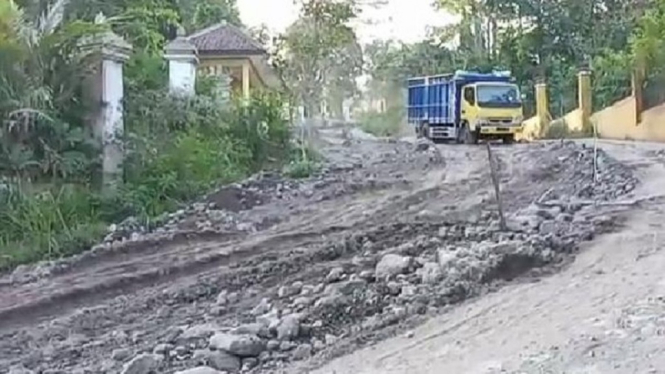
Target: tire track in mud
{"points": [[135, 273], [53, 303], [140, 265]]}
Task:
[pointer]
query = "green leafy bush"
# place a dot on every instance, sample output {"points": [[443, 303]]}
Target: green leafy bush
{"points": [[388, 123], [177, 148]]}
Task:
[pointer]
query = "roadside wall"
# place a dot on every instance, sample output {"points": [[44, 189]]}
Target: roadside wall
{"points": [[618, 122]]}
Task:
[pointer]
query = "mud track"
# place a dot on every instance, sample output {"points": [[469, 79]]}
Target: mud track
{"points": [[376, 198]]}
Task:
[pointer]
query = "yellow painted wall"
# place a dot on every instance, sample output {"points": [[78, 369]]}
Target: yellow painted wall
{"points": [[234, 68], [618, 122], [574, 120], [652, 126], [531, 130]]}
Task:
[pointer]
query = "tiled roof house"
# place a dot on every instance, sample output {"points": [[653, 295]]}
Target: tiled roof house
{"points": [[227, 49]]}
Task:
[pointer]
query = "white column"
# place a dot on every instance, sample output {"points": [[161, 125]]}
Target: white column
{"points": [[109, 124], [183, 61]]}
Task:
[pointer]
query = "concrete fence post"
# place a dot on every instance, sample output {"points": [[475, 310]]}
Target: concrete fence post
{"points": [[584, 97], [107, 95], [637, 80], [542, 110]]}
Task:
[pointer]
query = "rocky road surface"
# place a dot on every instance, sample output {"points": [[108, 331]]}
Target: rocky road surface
{"points": [[281, 276]]}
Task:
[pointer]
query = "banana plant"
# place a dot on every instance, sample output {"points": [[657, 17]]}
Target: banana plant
{"points": [[41, 73]]}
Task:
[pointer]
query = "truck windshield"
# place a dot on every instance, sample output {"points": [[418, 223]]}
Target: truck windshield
{"points": [[499, 96]]}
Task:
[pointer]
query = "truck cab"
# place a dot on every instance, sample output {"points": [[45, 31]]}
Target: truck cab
{"points": [[466, 107], [491, 110]]}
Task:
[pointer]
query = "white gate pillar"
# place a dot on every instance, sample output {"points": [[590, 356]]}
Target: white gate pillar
{"points": [[183, 61], [108, 126]]}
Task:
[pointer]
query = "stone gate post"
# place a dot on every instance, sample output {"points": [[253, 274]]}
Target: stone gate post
{"points": [[183, 61], [108, 126]]}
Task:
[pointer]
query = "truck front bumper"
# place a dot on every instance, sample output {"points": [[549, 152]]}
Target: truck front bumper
{"points": [[501, 130]]}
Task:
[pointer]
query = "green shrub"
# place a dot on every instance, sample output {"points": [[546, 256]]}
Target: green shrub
{"points": [[262, 126], [177, 148], [186, 166], [388, 123], [304, 162]]}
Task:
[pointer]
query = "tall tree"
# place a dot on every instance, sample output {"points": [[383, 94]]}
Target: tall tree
{"points": [[309, 48]]}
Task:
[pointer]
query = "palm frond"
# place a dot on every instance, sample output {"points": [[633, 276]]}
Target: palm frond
{"points": [[52, 17]]}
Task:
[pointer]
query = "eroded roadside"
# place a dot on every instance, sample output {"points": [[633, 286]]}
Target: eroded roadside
{"points": [[303, 272], [602, 314]]}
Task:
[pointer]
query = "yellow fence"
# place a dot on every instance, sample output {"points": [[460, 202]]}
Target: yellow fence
{"points": [[624, 120]]}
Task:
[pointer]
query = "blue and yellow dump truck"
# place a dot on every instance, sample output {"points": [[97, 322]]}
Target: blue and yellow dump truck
{"points": [[465, 107]]}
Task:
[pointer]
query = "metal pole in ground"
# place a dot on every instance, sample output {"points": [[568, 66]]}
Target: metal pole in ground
{"points": [[595, 153], [497, 190]]}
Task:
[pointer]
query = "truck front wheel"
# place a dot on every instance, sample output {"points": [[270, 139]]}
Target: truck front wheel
{"points": [[468, 136], [422, 131]]}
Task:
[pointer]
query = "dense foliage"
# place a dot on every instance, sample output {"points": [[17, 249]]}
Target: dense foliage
{"points": [[176, 148]]}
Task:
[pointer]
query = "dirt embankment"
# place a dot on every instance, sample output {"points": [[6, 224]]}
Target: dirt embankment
{"points": [[274, 275]]}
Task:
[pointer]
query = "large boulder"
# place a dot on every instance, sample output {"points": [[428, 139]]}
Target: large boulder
{"points": [[220, 360], [392, 265], [289, 328]]}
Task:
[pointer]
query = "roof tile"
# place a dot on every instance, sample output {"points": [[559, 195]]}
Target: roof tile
{"points": [[225, 38]]}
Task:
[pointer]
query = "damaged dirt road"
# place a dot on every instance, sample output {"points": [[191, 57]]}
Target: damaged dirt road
{"points": [[280, 276]]}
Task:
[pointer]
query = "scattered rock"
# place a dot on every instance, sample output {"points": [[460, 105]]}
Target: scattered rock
{"points": [[223, 298], [289, 290], [273, 345], [289, 328], [20, 369], [445, 258], [239, 345], [223, 361], [330, 339], [200, 370], [303, 351], [430, 273], [286, 345], [257, 329], [392, 265], [121, 354], [162, 349], [345, 288], [335, 275], [203, 331], [263, 307], [143, 364], [249, 363]]}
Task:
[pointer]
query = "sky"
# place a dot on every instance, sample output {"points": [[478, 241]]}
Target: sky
{"points": [[405, 20]]}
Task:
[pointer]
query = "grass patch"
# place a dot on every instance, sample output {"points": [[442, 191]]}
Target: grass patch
{"points": [[52, 223]]}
